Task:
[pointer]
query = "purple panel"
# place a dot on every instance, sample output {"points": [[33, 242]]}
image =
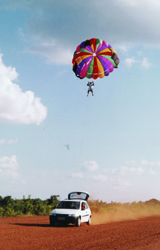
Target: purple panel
{"points": [[89, 48], [85, 67], [81, 64], [82, 45], [107, 62], [102, 48], [104, 65], [99, 47]]}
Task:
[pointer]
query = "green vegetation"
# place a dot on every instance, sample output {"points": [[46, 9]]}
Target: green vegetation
{"points": [[27, 207], [15, 207]]}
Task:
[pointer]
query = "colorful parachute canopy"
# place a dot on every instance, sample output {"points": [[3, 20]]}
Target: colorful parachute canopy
{"points": [[94, 58]]}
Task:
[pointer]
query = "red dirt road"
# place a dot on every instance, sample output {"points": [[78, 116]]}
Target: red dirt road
{"points": [[18, 233]]}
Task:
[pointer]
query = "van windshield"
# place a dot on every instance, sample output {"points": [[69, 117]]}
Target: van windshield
{"points": [[69, 205]]}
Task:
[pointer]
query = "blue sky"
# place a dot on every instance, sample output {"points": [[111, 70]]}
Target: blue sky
{"points": [[53, 139]]}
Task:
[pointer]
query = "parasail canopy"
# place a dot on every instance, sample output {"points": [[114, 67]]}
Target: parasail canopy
{"points": [[94, 58]]}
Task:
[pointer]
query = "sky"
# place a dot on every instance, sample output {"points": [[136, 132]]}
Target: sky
{"points": [[53, 138]]}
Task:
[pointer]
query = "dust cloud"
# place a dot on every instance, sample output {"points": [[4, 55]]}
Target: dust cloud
{"points": [[120, 214]]}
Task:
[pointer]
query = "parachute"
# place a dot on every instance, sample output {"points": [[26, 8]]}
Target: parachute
{"points": [[94, 58]]}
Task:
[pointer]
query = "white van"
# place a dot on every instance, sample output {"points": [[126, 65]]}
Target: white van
{"points": [[75, 210]]}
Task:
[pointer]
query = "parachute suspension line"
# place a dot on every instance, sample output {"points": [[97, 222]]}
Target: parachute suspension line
{"points": [[85, 118]]}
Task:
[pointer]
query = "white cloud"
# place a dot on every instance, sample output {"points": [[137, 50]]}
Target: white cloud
{"points": [[28, 1], [61, 73], [133, 163], [119, 184], [150, 163], [17, 106], [9, 169], [57, 27], [130, 61], [123, 48], [133, 169], [53, 52], [76, 175], [122, 21], [144, 162], [152, 173], [145, 63], [130, 171], [9, 163], [99, 178], [2, 141], [119, 21], [10, 141], [91, 165], [131, 3], [21, 33]]}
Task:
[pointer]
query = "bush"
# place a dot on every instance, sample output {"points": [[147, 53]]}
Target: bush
{"points": [[11, 207]]}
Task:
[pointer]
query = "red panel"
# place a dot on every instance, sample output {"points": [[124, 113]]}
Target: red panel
{"points": [[93, 42], [95, 69], [82, 54]]}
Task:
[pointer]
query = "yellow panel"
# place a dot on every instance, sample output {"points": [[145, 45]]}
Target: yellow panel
{"points": [[81, 58], [104, 50], [100, 69], [92, 46], [114, 51]]}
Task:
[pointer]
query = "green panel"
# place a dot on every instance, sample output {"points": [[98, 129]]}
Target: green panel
{"points": [[90, 69], [98, 41], [109, 59], [85, 50]]}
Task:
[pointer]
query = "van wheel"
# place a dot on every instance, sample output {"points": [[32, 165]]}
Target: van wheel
{"points": [[89, 221], [78, 222]]}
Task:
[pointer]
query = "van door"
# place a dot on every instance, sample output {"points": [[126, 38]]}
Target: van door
{"points": [[84, 212]]}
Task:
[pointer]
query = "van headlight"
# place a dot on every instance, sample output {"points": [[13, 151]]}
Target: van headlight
{"points": [[53, 214], [72, 215]]}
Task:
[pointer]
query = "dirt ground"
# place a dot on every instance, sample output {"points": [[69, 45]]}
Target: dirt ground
{"points": [[35, 233]]}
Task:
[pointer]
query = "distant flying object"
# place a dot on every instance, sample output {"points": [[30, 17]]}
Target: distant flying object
{"points": [[67, 146]]}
